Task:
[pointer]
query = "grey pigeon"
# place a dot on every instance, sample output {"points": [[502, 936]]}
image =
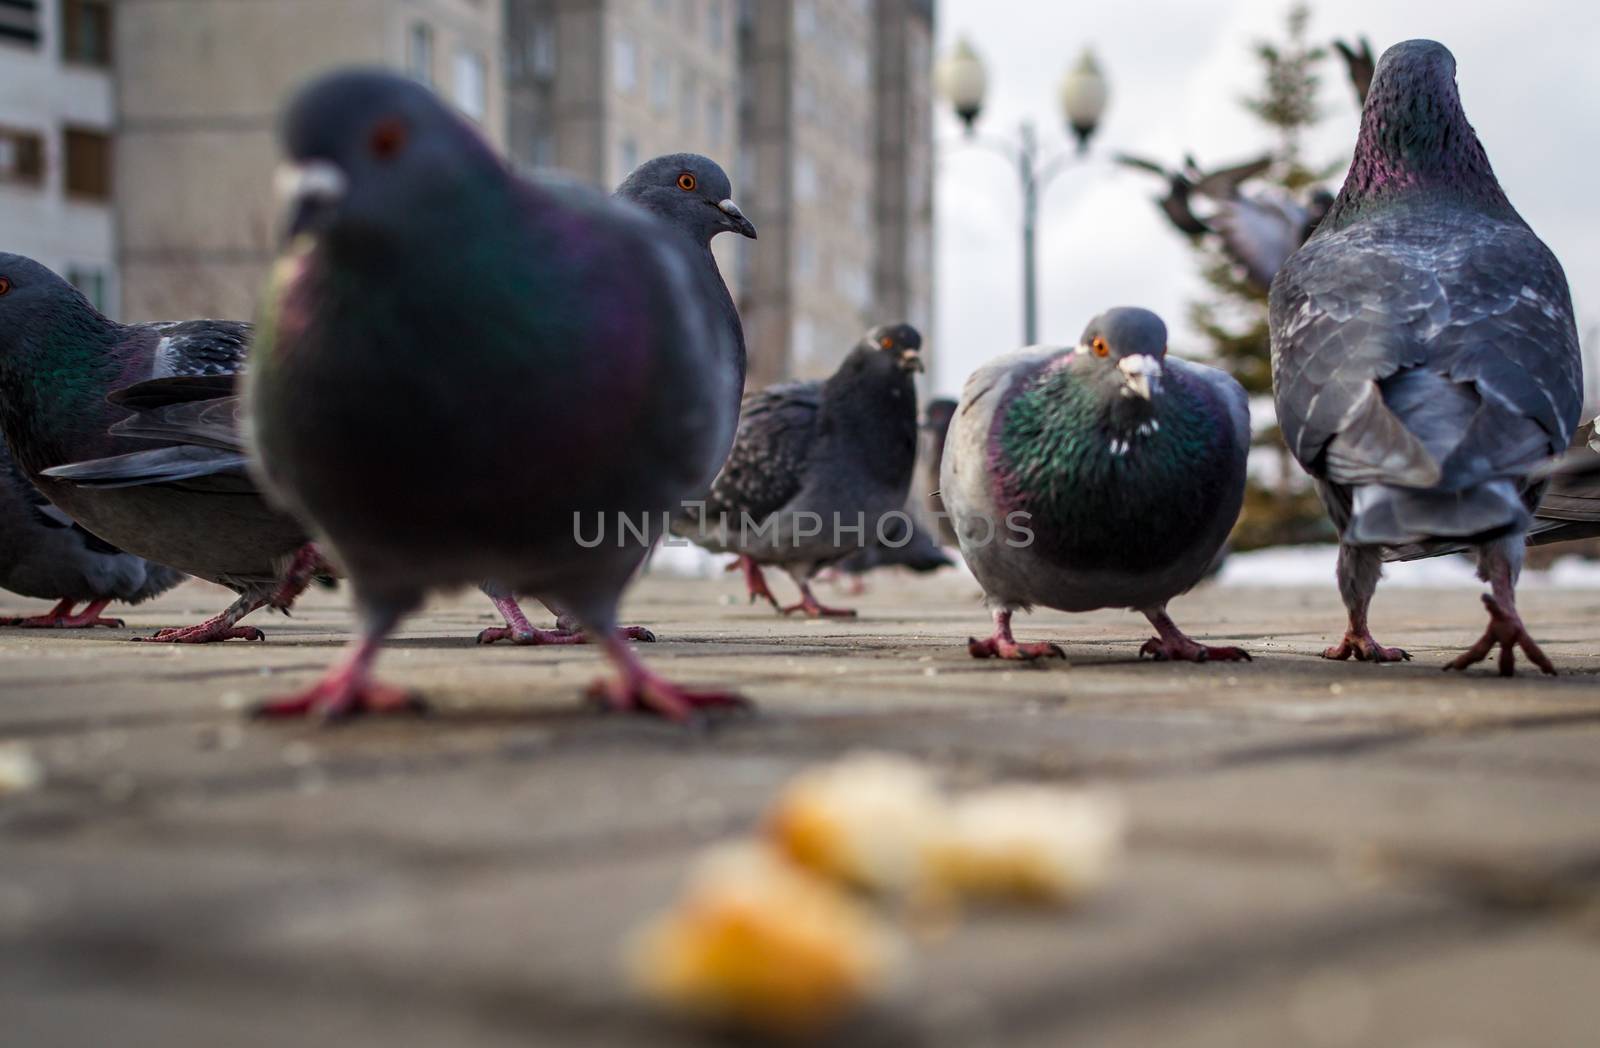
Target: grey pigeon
{"points": [[916, 542], [906, 543], [388, 378], [1358, 64], [816, 468], [935, 430], [68, 376], [1258, 228], [1424, 356], [1102, 475], [46, 554], [692, 194], [1571, 506]]}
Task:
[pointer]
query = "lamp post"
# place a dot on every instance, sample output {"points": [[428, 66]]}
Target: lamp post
{"points": [[961, 79]]}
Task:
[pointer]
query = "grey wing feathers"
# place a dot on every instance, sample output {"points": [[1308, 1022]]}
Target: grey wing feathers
{"points": [[1485, 308], [207, 423], [767, 465], [200, 347], [221, 470]]}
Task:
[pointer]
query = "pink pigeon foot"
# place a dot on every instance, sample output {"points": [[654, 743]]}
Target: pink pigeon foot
{"points": [[638, 689], [1506, 630], [61, 617]]}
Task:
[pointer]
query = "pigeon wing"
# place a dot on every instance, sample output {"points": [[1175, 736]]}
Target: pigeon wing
{"points": [[767, 465]]}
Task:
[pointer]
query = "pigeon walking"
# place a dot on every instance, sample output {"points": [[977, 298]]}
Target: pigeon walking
{"points": [[1104, 475], [69, 377], [46, 554], [817, 468], [448, 420], [693, 195], [1425, 361]]}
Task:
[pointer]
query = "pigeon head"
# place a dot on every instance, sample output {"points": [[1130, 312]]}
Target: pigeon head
{"points": [[1124, 349], [1415, 137], [937, 415], [900, 343], [689, 191], [372, 157], [36, 305]]}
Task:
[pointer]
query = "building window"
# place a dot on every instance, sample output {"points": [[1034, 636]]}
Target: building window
{"points": [[472, 84], [86, 32], [624, 63], [715, 118], [419, 52], [716, 24], [88, 164], [627, 156], [92, 282], [21, 157], [544, 52], [661, 84], [19, 22]]}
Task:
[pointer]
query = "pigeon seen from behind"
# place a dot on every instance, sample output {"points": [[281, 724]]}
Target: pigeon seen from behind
{"points": [[1102, 475], [1425, 360], [46, 554], [816, 468], [386, 379], [693, 195], [70, 378]]}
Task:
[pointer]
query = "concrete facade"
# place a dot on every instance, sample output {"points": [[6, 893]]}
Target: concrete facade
{"points": [[199, 84], [47, 93]]}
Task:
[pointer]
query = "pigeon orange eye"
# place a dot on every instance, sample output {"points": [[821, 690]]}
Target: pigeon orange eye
{"points": [[388, 138], [1099, 346], [5, 285], [886, 342], [687, 182]]}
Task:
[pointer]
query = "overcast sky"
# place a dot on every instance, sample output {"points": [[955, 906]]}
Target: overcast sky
{"points": [[1530, 81]]}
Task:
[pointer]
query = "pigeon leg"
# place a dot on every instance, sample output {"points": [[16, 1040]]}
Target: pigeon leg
{"points": [[1359, 570], [813, 608], [518, 630], [218, 627], [61, 617], [1499, 564], [639, 689], [348, 688], [1002, 645], [307, 564], [568, 624], [754, 582], [1175, 645]]}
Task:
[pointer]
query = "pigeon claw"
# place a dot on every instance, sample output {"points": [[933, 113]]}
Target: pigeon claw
{"points": [[530, 637], [1001, 648], [814, 609], [61, 617], [651, 694], [339, 697], [1506, 630], [755, 583], [1182, 649], [1363, 648]]}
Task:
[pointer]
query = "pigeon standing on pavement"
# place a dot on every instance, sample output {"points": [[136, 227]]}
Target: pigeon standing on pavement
{"points": [[461, 374], [817, 468], [1104, 475], [70, 378], [1424, 356], [46, 554], [693, 195]]}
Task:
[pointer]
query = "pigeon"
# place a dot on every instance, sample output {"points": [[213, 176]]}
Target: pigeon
{"points": [[1358, 63], [692, 194], [935, 428], [46, 554], [906, 544], [1571, 506], [442, 424], [69, 377], [1102, 475], [817, 469], [1424, 356], [1259, 229]]}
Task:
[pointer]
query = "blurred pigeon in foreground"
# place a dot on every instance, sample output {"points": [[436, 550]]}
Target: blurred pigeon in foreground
{"points": [[69, 377], [1424, 356], [1358, 63], [817, 468], [1259, 229], [1106, 475], [46, 554], [479, 419], [692, 194]]}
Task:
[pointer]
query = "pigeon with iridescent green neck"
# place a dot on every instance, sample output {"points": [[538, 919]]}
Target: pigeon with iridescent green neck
{"points": [[1102, 475]]}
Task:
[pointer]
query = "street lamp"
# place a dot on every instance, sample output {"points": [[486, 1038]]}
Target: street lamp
{"points": [[961, 79]]}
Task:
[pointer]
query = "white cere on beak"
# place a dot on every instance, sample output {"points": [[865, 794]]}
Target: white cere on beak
{"points": [[311, 180], [1142, 373]]}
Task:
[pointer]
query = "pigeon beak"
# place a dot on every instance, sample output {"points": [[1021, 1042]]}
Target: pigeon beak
{"points": [[1142, 373], [736, 220], [911, 360], [307, 192]]}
